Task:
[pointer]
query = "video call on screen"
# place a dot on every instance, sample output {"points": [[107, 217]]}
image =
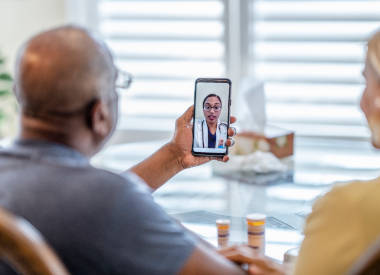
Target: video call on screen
{"points": [[211, 117]]}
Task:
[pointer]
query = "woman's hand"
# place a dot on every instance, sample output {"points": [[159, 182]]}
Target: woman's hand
{"points": [[258, 265]]}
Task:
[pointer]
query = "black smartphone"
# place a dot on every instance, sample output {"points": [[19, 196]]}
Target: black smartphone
{"points": [[212, 101]]}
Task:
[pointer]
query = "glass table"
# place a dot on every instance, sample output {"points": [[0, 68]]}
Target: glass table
{"points": [[197, 196]]}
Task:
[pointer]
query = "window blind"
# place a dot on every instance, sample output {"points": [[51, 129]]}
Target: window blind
{"points": [[165, 45], [310, 56]]}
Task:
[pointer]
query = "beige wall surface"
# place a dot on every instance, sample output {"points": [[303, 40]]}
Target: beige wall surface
{"points": [[20, 19]]}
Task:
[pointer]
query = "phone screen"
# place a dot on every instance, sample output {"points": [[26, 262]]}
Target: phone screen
{"points": [[211, 116]]}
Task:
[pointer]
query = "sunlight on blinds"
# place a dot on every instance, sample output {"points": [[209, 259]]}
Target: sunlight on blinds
{"points": [[165, 45], [310, 56]]}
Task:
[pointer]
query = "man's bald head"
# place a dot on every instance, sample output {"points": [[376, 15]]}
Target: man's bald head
{"points": [[62, 70]]}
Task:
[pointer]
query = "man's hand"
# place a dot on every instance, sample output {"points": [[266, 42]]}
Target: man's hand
{"points": [[174, 156], [258, 265], [183, 138]]}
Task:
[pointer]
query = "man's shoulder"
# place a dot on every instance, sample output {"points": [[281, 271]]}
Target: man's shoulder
{"points": [[108, 179], [101, 174]]}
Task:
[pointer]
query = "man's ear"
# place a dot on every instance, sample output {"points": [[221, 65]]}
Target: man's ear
{"points": [[98, 120], [14, 89]]}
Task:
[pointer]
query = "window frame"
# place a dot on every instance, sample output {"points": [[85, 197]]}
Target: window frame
{"points": [[237, 30]]}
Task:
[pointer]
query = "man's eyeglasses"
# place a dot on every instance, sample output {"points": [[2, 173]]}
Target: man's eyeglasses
{"points": [[208, 108], [123, 80]]}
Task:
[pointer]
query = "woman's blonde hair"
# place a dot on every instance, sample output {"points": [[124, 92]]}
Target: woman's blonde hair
{"points": [[373, 53]]}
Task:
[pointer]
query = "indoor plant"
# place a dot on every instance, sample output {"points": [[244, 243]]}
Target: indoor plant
{"points": [[8, 107]]}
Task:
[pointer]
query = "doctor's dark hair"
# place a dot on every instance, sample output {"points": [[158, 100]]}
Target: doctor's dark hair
{"points": [[212, 95]]}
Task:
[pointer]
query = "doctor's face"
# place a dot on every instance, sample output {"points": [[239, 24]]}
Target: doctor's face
{"points": [[212, 109]]}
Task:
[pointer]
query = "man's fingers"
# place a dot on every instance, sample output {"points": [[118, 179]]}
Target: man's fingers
{"points": [[265, 266], [240, 255], [188, 115], [238, 258], [232, 131], [258, 265], [202, 160], [254, 270], [215, 158], [227, 249], [230, 142], [232, 119]]}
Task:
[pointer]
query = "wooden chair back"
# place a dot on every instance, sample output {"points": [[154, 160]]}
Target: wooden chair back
{"points": [[24, 249]]}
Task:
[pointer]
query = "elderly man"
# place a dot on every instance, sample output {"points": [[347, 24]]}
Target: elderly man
{"points": [[98, 222]]}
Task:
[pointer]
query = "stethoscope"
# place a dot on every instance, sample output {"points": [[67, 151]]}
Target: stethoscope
{"points": [[220, 124]]}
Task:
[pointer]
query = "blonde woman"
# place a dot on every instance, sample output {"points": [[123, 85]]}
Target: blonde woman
{"points": [[345, 222]]}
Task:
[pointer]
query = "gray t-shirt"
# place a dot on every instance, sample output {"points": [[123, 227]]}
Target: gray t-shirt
{"points": [[98, 222]]}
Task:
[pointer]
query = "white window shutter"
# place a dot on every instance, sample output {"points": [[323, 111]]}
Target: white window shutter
{"points": [[166, 45], [310, 56]]}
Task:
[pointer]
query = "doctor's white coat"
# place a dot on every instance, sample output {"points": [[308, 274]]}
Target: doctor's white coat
{"points": [[201, 133]]}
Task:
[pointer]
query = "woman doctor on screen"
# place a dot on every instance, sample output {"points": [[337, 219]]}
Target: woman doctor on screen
{"points": [[210, 132]]}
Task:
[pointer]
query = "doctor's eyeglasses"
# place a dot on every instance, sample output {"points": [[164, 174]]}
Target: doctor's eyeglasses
{"points": [[208, 108], [123, 80]]}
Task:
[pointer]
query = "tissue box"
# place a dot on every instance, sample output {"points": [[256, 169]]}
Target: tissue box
{"points": [[276, 140]]}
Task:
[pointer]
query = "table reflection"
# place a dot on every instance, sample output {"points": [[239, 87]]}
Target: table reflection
{"points": [[280, 236], [197, 196]]}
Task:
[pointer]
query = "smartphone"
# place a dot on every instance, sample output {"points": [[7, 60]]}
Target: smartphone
{"points": [[212, 102]]}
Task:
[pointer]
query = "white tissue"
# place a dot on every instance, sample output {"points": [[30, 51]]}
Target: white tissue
{"points": [[258, 162], [252, 115], [252, 118]]}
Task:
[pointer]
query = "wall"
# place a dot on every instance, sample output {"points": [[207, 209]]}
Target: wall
{"points": [[20, 19]]}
